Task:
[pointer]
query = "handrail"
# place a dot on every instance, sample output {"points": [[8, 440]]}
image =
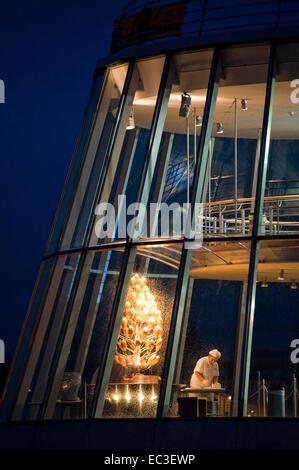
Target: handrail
{"points": [[199, 18], [221, 216], [294, 197]]}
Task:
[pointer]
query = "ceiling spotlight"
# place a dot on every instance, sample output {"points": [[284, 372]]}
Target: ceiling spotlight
{"points": [[281, 276], [264, 283], [294, 285], [131, 120], [198, 121], [185, 105], [219, 129], [244, 106]]}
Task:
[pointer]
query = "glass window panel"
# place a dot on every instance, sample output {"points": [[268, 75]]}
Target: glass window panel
{"points": [[127, 159], [49, 330], [134, 385], [182, 113], [74, 167], [43, 285], [214, 307], [96, 146], [82, 352], [234, 147], [275, 344], [76, 363], [281, 205]]}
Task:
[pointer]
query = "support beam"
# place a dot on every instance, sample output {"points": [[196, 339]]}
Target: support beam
{"points": [[254, 253], [183, 276], [238, 349], [113, 332]]}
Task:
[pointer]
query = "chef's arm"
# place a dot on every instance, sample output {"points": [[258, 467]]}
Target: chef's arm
{"points": [[199, 375], [215, 379]]}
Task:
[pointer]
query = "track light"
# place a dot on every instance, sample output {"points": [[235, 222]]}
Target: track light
{"points": [[185, 105], [131, 120], [281, 275], [294, 285], [198, 121], [244, 106], [219, 129], [264, 283]]}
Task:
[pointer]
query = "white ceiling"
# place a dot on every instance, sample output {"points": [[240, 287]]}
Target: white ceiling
{"points": [[284, 126]]}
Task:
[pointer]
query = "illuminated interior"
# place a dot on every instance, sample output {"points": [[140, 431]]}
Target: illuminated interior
{"points": [[122, 319]]}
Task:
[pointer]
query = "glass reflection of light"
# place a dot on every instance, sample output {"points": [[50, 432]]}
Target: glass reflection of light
{"points": [[154, 396], [127, 395], [115, 396], [140, 395]]}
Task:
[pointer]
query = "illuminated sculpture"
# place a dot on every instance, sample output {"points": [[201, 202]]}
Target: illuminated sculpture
{"points": [[140, 337]]}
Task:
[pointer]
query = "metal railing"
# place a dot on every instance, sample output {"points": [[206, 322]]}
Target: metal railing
{"points": [[281, 214], [261, 395], [212, 16], [281, 209]]}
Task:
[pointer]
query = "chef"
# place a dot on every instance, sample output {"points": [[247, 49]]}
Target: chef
{"points": [[206, 371]]}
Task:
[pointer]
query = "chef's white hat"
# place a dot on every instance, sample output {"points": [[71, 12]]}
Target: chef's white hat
{"points": [[215, 353]]}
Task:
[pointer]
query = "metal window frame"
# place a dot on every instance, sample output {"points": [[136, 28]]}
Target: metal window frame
{"points": [[245, 360], [241, 379], [78, 159], [183, 276], [34, 313], [107, 157], [131, 248], [24, 345], [48, 403]]}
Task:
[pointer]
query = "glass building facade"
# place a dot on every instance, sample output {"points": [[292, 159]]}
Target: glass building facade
{"points": [[127, 298]]}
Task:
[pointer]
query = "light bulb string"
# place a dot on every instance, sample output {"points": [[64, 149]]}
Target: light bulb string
{"points": [[140, 336]]}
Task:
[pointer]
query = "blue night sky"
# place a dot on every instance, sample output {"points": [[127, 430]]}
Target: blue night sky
{"points": [[49, 50]]}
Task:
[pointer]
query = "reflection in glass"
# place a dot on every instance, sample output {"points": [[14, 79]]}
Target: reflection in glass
{"points": [[234, 147], [69, 370], [53, 316], [126, 162], [82, 351], [95, 155], [282, 185], [213, 308], [274, 360], [182, 118], [77, 160]]}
